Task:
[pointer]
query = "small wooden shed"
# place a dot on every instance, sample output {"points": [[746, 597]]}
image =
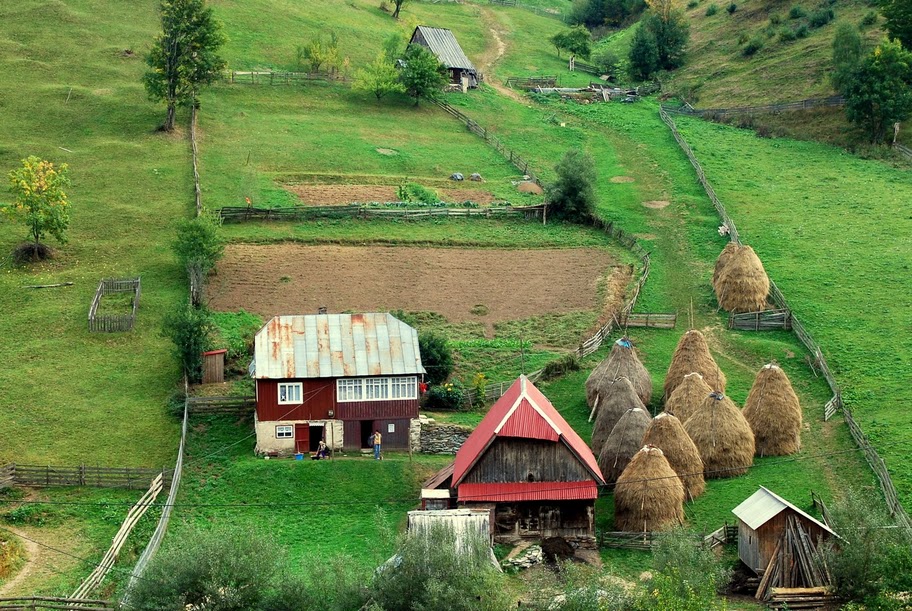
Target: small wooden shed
{"points": [[442, 43], [214, 366], [761, 522]]}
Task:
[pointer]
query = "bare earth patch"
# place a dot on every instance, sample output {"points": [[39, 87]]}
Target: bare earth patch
{"points": [[509, 284], [337, 195], [388, 152], [657, 204], [619, 179]]}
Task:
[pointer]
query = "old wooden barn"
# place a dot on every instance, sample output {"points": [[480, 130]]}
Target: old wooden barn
{"points": [[762, 519], [525, 464], [336, 378], [442, 43]]}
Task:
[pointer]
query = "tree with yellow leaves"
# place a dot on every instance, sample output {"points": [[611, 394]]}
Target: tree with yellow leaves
{"points": [[41, 203]]}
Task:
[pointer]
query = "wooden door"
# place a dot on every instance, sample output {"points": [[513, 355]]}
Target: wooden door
{"points": [[302, 438]]}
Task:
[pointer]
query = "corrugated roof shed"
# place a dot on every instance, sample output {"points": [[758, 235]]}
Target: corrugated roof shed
{"points": [[443, 44], [764, 505], [335, 346]]}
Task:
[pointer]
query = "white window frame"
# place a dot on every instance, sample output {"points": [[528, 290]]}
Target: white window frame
{"points": [[391, 427], [376, 389], [291, 389], [281, 429], [403, 387], [349, 390]]}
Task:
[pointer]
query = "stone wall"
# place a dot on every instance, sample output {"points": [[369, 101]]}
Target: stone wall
{"points": [[430, 437]]}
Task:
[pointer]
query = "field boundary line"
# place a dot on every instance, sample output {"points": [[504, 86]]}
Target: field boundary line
{"points": [[687, 109], [818, 362]]}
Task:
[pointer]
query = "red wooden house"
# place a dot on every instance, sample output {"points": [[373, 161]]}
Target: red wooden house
{"points": [[335, 377], [528, 466]]}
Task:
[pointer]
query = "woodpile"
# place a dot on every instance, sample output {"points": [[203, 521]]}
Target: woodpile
{"points": [[797, 576]]}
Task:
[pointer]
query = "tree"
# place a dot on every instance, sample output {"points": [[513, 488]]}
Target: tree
{"points": [[436, 357], [184, 57], [671, 33], [423, 75], [577, 41], [41, 203], [847, 51], [399, 4], [644, 54], [898, 15], [572, 196], [198, 241], [379, 77], [190, 329], [879, 92], [319, 53]]}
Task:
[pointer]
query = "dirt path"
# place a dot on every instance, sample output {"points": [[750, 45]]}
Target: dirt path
{"points": [[493, 54], [33, 553]]}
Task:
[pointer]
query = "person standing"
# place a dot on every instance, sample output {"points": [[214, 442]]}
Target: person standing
{"points": [[378, 438]]}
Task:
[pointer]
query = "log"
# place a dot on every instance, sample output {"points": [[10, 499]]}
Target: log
{"points": [[48, 286]]}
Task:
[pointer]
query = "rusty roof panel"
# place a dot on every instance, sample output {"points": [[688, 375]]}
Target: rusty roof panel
{"points": [[336, 345]]}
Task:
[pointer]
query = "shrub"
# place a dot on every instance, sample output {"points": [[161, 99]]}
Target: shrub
{"points": [[688, 567], [572, 196], [560, 366], [436, 357], [711, 10], [821, 17], [732, 8], [802, 31], [413, 192], [786, 34], [754, 45], [869, 19], [693, 4], [797, 12], [198, 242], [190, 330], [449, 396], [605, 60], [775, 19]]}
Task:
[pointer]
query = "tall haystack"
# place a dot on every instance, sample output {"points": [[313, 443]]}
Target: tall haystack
{"points": [[622, 362], [774, 414], [625, 440], [667, 433], [687, 397], [722, 436], [724, 257], [620, 397], [743, 284], [692, 354], [648, 495]]}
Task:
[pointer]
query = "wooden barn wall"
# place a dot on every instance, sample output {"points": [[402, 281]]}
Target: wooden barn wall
{"points": [[319, 397], [515, 460], [397, 440], [749, 546], [542, 519], [768, 534], [369, 410]]}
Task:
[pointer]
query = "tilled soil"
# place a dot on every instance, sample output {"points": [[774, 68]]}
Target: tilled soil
{"points": [[337, 195]]}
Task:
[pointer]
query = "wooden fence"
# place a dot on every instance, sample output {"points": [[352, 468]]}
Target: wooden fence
{"points": [[530, 82], [38, 603], [7, 476], [236, 214], [136, 512], [110, 323], [647, 540], [765, 320], [836, 100], [649, 320], [235, 406], [271, 77], [82, 475], [194, 149], [905, 151], [817, 361]]}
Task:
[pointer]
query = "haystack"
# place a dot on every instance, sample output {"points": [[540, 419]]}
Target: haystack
{"points": [[622, 362], [722, 436], [625, 440], [724, 257], [619, 398], [687, 397], [667, 433], [743, 284], [648, 495], [692, 354], [774, 414]]}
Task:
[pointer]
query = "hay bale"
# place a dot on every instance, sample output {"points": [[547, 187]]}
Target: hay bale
{"points": [[743, 284], [724, 257], [648, 495], [687, 397], [622, 362], [625, 440], [722, 436], [614, 402], [692, 354], [667, 433], [774, 414]]}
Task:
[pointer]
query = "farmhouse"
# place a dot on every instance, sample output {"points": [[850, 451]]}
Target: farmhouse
{"points": [[336, 378], [525, 464], [762, 519], [442, 43]]}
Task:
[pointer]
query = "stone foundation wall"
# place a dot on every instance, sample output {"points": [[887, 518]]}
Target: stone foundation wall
{"points": [[430, 437]]}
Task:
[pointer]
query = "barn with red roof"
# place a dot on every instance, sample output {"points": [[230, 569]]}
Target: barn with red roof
{"points": [[529, 467]]}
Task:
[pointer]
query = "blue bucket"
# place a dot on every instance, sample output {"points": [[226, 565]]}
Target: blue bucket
{"points": [[299, 456]]}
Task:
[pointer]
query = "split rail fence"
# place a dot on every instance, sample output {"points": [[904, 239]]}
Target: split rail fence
{"points": [[132, 478], [836, 100], [531, 82], [905, 151], [817, 361], [647, 540], [235, 406], [40, 603], [765, 320], [271, 77], [229, 214], [111, 323]]}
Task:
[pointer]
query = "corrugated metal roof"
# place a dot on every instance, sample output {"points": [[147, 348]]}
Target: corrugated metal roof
{"points": [[444, 45], [500, 418], [764, 505], [335, 346], [439, 478], [528, 491]]}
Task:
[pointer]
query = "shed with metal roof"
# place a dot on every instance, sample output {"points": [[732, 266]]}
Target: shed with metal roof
{"points": [[442, 43]]}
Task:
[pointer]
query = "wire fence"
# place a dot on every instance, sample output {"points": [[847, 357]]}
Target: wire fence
{"points": [[817, 361]]}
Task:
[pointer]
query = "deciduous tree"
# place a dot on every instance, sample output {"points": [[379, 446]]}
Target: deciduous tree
{"points": [[898, 14], [379, 77], [184, 57], [572, 196], [577, 41], [422, 75], [398, 4], [879, 92], [41, 203], [190, 329], [644, 54], [847, 51]]}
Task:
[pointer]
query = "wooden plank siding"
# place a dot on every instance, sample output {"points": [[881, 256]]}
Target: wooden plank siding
{"points": [[368, 410], [318, 398], [397, 440], [511, 459], [756, 547]]}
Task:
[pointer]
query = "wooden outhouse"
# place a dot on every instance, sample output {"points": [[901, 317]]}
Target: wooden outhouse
{"points": [[761, 522], [443, 44], [336, 378], [214, 366]]}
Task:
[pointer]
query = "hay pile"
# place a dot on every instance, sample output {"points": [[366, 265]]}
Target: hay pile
{"points": [[692, 354], [648, 495], [620, 397], [687, 397], [742, 284], [667, 433], [622, 362], [625, 440], [722, 436], [774, 414], [724, 257]]}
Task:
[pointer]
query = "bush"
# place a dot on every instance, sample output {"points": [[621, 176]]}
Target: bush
{"points": [[190, 330], [605, 60], [754, 45], [802, 31], [688, 567], [644, 54], [436, 356], [869, 19], [786, 34], [693, 4], [413, 192], [329, 584], [449, 396], [732, 8], [775, 19], [821, 17], [797, 12], [572, 196], [711, 10], [560, 366], [198, 242]]}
